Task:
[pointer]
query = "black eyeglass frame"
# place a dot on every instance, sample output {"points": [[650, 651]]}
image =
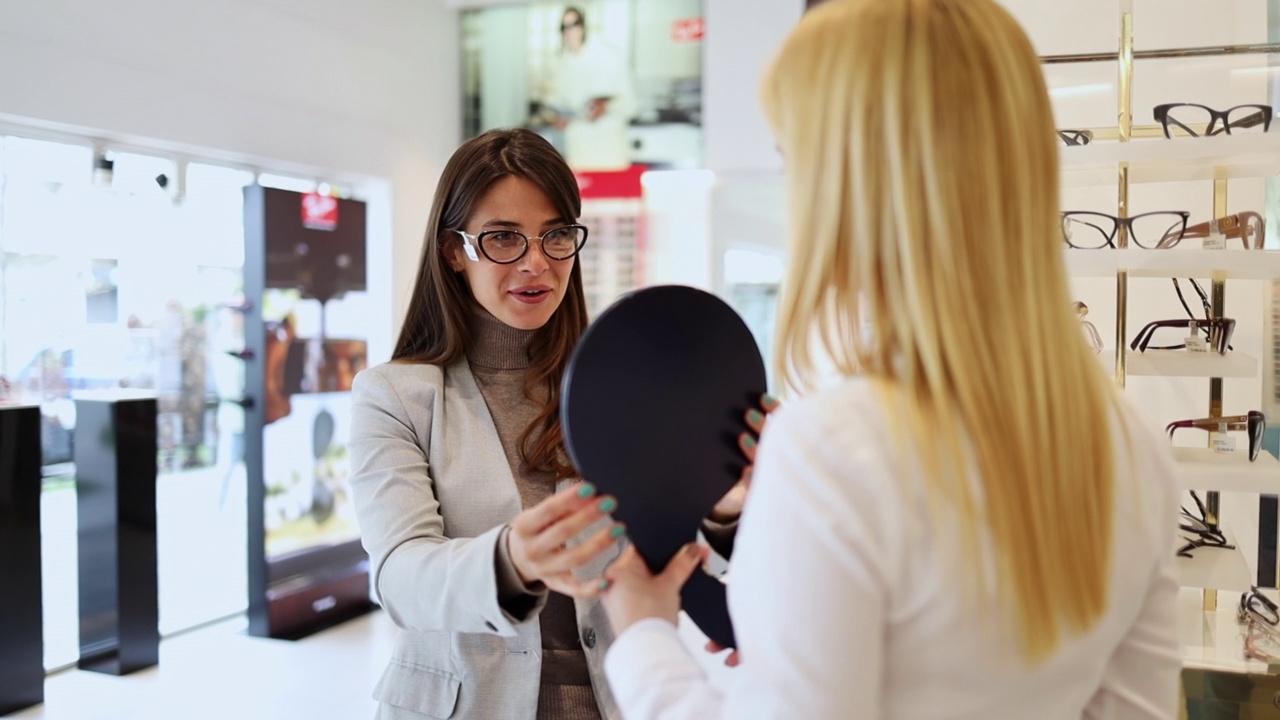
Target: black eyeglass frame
{"points": [[1072, 137], [1220, 331], [1161, 113], [1169, 238], [471, 242]]}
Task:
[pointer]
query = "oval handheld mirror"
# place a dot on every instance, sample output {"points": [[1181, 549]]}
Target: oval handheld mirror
{"points": [[652, 405]]}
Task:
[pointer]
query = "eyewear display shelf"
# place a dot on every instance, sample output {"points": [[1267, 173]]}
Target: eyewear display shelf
{"points": [[1124, 155]]}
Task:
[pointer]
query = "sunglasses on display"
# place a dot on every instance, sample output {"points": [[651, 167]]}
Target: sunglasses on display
{"points": [[1202, 533], [507, 246], [1254, 422], [1087, 230], [1193, 120], [1073, 138], [1219, 333]]}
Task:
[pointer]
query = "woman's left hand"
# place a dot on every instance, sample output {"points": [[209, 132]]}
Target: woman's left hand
{"points": [[635, 594], [730, 506]]}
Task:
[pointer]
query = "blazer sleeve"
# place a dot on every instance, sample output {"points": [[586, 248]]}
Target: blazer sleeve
{"points": [[425, 581]]}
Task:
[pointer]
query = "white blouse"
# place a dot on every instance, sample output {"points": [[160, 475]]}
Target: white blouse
{"points": [[846, 596]]}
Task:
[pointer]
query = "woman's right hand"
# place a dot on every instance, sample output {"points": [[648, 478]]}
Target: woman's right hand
{"points": [[537, 541]]}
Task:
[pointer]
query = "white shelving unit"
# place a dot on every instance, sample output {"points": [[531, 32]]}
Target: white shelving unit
{"points": [[1203, 469], [1163, 160], [1237, 264], [1180, 363], [1214, 568], [1213, 640]]}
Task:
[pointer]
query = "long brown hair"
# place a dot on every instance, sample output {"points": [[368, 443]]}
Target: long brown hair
{"points": [[435, 329]]}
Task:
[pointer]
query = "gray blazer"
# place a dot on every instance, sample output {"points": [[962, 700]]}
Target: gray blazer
{"points": [[433, 491]]}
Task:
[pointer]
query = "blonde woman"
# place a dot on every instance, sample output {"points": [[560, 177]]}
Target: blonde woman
{"points": [[970, 521]]}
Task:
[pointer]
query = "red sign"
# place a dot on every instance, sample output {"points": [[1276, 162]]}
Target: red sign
{"points": [[319, 212], [610, 184], [688, 30]]}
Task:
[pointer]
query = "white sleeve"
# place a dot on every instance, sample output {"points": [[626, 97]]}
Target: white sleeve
{"points": [[807, 595]]}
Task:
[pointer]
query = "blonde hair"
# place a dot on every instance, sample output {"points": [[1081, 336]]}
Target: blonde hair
{"points": [[925, 253]]}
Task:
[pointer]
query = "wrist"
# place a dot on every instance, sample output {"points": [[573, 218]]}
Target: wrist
{"points": [[525, 578]]}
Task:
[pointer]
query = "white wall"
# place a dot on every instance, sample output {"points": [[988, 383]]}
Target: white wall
{"points": [[359, 93]]}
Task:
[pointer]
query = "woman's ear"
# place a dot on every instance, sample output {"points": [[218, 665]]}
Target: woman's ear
{"points": [[452, 252]]}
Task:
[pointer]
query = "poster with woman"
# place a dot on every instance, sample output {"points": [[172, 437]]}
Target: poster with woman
{"points": [[613, 84]]}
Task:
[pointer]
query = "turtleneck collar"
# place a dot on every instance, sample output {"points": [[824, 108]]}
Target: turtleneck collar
{"points": [[495, 344]]}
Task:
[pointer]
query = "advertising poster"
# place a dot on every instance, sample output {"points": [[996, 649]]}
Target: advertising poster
{"points": [[615, 85], [311, 313]]}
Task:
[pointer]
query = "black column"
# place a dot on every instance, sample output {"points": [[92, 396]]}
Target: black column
{"points": [[115, 452], [21, 623]]}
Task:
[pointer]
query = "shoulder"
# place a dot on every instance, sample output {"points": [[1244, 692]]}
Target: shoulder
{"points": [[853, 409], [397, 381]]}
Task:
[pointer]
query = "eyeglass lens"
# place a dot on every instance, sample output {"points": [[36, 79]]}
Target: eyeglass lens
{"points": [[1091, 231], [1187, 120], [503, 246]]}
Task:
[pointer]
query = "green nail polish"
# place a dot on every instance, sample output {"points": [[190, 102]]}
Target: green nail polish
{"points": [[617, 531], [770, 402], [604, 584], [608, 505], [754, 417], [749, 441], [587, 490]]}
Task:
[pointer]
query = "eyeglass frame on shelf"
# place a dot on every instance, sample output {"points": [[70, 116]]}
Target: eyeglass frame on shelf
{"points": [[1220, 332], [1207, 535], [1161, 115], [1254, 423], [1231, 227], [471, 242], [1127, 224], [1072, 137]]}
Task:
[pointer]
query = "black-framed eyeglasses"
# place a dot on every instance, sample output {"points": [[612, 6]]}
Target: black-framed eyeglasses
{"points": [[1194, 120], [507, 246], [1086, 230], [1253, 422], [1219, 333], [1258, 606], [1202, 532], [570, 24], [1073, 137]]}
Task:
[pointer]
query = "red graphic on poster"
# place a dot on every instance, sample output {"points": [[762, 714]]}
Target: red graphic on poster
{"points": [[688, 30], [610, 183], [319, 212]]}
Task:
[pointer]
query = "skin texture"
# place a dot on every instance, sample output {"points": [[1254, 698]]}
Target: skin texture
{"points": [[514, 203]]}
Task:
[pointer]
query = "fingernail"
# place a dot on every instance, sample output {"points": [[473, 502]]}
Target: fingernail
{"points": [[587, 490], [755, 417], [747, 475], [604, 584], [617, 531], [770, 402], [748, 441], [692, 550], [608, 505]]}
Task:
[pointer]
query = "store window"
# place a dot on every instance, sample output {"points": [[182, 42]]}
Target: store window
{"points": [[123, 270]]}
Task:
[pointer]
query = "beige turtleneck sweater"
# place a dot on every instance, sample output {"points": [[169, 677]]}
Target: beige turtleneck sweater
{"points": [[498, 358]]}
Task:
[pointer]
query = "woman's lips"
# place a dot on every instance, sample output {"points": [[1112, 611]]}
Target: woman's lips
{"points": [[532, 295]]}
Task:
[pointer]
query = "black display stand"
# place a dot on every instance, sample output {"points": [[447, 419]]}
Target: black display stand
{"points": [[322, 585], [21, 624], [115, 453]]}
